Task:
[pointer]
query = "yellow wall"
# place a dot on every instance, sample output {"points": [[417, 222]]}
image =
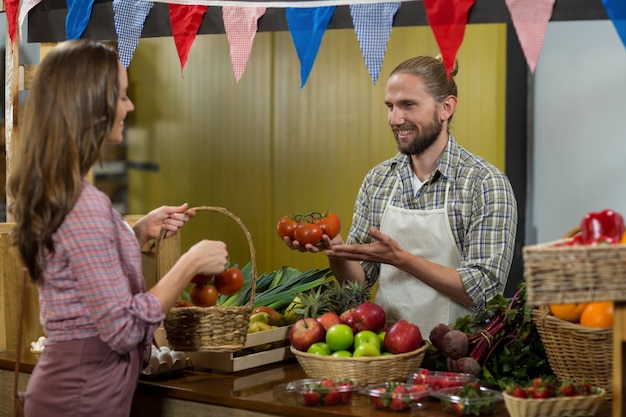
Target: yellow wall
{"points": [[264, 147]]}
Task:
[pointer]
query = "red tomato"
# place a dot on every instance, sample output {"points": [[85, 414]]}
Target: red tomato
{"points": [[286, 226], [203, 295], [229, 281], [201, 279], [330, 224], [308, 233]]}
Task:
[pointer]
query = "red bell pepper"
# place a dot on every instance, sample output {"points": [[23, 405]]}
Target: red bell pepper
{"points": [[606, 226]]}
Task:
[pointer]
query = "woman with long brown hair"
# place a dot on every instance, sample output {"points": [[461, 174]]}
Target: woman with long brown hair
{"points": [[85, 259]]}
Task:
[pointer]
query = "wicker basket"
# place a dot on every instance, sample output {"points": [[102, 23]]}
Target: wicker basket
{"points": [[363, 370], [216, 328], [554, 407], [574, 274], [576, 352]]}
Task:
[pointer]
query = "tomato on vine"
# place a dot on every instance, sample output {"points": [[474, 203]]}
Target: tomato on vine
{"points": [[330, 224], [308, 233], [286, 226]]}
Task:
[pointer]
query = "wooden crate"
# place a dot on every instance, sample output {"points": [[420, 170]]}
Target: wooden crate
{"points": [[230, 361]]}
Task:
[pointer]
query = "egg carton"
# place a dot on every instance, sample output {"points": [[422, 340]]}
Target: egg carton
{"points": [[165, 362]]}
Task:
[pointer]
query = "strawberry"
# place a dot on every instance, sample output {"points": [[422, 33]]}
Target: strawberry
{"points": [[311, 397], [378, 398], [332, 397], [345, 390], [398, 403], [518, 392], [458, 409]]}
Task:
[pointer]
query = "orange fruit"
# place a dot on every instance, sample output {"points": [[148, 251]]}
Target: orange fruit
{"points": [[568, 312], [598, 314]]}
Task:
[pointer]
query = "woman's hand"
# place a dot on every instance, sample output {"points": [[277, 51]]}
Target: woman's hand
{"points": [[170, 218]]}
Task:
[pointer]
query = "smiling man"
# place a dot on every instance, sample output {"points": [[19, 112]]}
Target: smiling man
{"points": [[434, 225]]}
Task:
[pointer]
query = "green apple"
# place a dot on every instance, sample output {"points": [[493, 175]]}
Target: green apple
{"points": [[367, 336], [319, 348], [339, 337], [381, 336], [366, 349], [342, 354]]}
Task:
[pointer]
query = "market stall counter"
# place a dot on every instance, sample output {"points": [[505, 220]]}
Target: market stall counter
{"points": [[246, 393]]}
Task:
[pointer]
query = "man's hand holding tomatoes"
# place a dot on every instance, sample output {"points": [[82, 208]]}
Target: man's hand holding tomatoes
{"points": [[313, 232]]}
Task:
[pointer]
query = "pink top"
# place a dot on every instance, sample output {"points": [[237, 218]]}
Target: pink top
{"points": [[93, 285]]}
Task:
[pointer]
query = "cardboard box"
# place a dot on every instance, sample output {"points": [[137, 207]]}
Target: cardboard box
{"points": [[236, 361]]}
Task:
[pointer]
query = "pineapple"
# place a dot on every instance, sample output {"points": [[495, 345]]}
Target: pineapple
{"points": [[332, 296]]}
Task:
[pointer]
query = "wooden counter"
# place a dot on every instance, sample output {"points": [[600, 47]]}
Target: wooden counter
{"points": [[246, 393]]}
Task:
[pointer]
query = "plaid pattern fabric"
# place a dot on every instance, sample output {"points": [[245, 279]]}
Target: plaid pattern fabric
{"points": [[530, 18], [372, 25], [129, 17], [240, 25], [481, 207], [93, 284]]}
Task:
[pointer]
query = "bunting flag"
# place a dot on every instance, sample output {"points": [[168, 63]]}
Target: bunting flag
{"points": [[530, 19], [26, 6], [307, 27], [372, 25], [129, 17], [616, 9], [78, 15], [240, 25], [12, 10], [447, 19], [185, 21]]}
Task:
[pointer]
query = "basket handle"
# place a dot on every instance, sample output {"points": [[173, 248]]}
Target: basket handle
{"points": [[243, 227]]}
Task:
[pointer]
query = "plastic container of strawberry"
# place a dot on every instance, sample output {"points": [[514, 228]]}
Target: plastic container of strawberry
{"points": [[455, 402], [437, 380], [321, 392], [396, 396]]}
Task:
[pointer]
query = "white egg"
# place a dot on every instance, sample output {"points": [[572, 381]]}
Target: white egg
{"points": [[178, 357], [165, 349], [154, 364], [166, 358]]}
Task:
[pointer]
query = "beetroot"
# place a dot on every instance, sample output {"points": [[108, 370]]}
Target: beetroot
{"points": [[437, 334], [468, 365], [455, 344]]}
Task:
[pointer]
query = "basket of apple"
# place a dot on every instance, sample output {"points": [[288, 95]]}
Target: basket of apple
{"points": [[358, 345]]}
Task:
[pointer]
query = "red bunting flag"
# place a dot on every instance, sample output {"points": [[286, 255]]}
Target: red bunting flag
{"points": [[185, 21], [530, 19], [12, 10], [447, 19]]}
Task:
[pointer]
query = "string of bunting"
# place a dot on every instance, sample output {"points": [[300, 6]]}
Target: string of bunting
{"points": [[307, 22]]}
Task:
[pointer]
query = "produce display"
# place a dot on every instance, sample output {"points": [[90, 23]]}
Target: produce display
{"points": [[358, 332], [309, 228], [598, 228], [499, 345], [314, 392], [396, 396], [550, 387], [470, 399], [437, 380], [597, 314]]}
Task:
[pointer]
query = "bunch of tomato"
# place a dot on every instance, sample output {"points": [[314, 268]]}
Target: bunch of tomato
{"points": [[309, 228], [206, 288]]}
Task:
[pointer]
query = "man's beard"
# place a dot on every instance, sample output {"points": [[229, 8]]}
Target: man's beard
{"points": [[423, 140]]}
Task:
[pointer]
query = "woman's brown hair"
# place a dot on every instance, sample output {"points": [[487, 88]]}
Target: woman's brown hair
{"points": [[68, 114]]}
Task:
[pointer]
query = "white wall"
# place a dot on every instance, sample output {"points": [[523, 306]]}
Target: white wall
{"points": [[578, 163]]}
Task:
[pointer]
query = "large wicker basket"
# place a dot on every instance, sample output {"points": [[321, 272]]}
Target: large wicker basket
{"points": [[216, 328], [363, 370], [554, 407], [576, 352], [574, 274]]}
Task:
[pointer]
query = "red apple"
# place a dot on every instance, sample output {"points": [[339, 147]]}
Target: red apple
{"points": [[305, 332], [328, 319], [403, 337], [347, 317], [369, 316]]}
